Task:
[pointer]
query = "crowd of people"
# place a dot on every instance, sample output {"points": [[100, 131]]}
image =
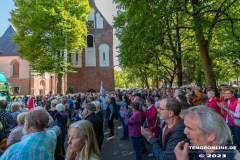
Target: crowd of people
{"points": [[185, 124]]}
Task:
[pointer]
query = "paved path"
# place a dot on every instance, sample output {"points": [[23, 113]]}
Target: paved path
{"points": [[114, 149]]}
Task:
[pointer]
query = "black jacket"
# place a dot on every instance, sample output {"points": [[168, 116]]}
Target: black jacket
{"points": [[175, 135], [98, 128]]}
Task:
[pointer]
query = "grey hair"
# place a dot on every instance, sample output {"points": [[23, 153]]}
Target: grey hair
{"points": [[21, 118], [211, 122], [60, 107], [211, 93], [179, 92]]}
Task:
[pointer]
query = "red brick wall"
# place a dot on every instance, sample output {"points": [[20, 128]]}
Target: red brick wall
{"points": [[90, 78], [87, 78], [22, 82]]}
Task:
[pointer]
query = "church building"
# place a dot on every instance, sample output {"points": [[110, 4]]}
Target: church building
{"points": [[94, 65]]}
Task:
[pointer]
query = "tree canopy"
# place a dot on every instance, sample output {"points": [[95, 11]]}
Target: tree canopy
{"points": [[180, 41], [48, 31]]}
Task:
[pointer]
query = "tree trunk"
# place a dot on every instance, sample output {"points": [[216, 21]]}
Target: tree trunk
{"points": [[157, 82], [179, 57], [207, 64], [59, 83], [146, 83]]}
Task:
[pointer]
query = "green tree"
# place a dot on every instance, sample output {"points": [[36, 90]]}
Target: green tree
{"points": [[210, 18], [177, 38], [48, 31]]}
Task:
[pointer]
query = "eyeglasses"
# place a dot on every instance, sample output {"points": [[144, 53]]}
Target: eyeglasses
{"points": [[227, 93], [162, 109]]}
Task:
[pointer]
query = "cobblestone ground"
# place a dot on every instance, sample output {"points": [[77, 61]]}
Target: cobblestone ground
{"points": [[114, 149]]}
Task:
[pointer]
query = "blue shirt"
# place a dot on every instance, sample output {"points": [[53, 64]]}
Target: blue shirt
{"points": [[104, 102], [71, 107], [34, 146], [122, 104]]}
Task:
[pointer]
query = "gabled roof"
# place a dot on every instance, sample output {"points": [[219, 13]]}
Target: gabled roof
{"points": [[93, 5], [6, 45], [9, 32]]}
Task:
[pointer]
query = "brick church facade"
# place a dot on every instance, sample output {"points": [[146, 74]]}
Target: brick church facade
{"points": [[94, 65]]}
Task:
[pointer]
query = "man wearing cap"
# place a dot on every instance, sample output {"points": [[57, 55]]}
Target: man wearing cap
{"points": [[89, 114]]}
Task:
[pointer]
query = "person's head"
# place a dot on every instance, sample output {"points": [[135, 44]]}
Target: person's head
{"points": [[14, 106], [21, 118], [189, 90], [60, 107], [64, 100], [205, 127], [3, 104], [222, 87], [81, 140], [168, 92], [135, 106], [22, 105], [137, 97], [178, 92], [149, 101], [36, 120], [210, 94], [228, 93], [156, 98], [169, 108], [88, 109], [183, 101], [77, 105], [181, 98], [111, 100], [48, 105], [54, 103]]}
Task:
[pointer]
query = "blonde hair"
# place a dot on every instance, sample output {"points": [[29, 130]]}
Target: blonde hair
{"points": [[86, 130]]}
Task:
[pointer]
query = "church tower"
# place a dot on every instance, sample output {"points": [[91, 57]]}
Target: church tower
{"points": [[95, 64]]}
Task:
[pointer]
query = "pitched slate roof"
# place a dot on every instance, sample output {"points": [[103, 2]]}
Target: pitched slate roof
{"points": [[6, 45]]}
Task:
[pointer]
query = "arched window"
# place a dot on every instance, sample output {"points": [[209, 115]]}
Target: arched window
{"points": [[90, 55], [90, 41], [14, 69], [99, 20], [104, 55]]}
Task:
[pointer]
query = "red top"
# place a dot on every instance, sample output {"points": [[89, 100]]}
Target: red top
{"points": [[212, 103], [232, 106], [168, 130], [151, 116]]}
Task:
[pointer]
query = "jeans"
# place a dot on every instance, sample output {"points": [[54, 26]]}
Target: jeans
{"points": [[136, 142], [125, 127], [236, 136], [111, 125], [105, 119], [142, 143]]}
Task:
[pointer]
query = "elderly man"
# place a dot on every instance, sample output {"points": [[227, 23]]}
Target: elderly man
{"points": [[205, 128], [89, 114], [171, 131], [37, 143]]}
